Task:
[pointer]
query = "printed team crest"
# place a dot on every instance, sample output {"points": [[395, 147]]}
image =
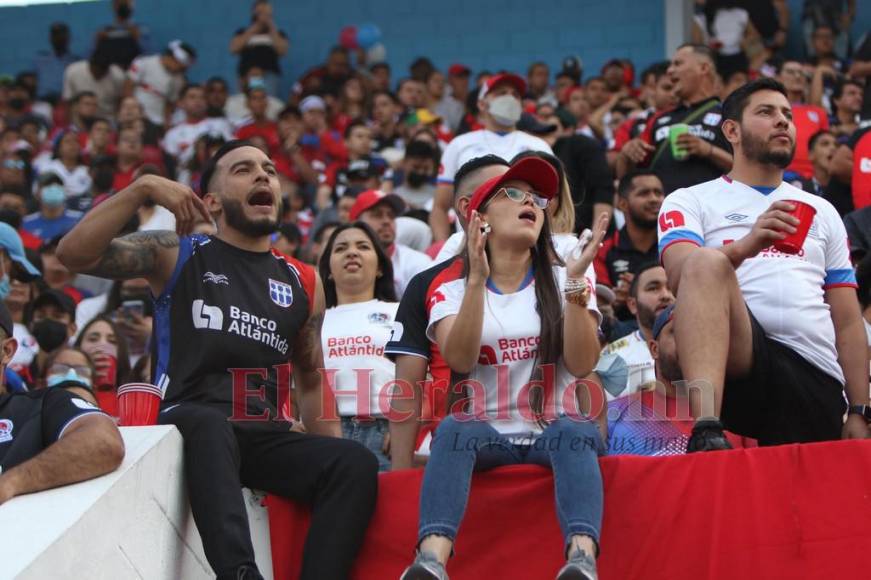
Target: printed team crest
{"points": [[280, 293], [813, 116], [378, 318], [5, 430]]}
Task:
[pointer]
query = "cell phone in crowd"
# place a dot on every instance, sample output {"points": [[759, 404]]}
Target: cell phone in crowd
{"points": [[133, 307]]}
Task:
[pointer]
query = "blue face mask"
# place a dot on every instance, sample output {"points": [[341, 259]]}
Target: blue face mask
{"points": [[53, 195], [5, 286], [71, 376]]}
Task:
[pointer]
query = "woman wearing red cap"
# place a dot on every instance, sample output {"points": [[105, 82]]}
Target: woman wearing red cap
{"points": [[517, 321]]}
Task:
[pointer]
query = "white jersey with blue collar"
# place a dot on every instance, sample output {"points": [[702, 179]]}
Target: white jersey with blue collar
{"points": [[785, 292]]}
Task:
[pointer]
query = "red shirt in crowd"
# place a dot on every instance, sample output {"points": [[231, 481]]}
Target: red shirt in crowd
{"points": [[268, 131], [808, 120]]}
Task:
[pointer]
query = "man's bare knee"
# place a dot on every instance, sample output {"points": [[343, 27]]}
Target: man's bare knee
{"points": [[707, 266]]}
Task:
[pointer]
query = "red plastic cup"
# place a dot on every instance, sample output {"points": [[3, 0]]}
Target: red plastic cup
{"points": [[793, 242], [138, 404], [108, 374]]}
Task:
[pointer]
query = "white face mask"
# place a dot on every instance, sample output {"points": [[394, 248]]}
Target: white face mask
{"points": [[505, 110]]}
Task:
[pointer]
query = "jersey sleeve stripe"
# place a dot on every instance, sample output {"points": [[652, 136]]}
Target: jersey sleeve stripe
{"points": [[445, 181], [66, 425], [844, 276], [403, 350], [677, 237], [185, 250]]}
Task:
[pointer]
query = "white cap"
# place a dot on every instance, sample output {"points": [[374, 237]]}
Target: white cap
{"points": [[312, 103]]}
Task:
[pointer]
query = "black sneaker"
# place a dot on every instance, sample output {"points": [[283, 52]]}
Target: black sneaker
{"points": [[707, 436]]}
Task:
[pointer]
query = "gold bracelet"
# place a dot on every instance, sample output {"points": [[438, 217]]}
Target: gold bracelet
{"points": [[577, 291]]}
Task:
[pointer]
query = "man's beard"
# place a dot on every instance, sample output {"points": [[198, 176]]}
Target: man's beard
{"points": [[640, 222], [756, 150], [646, 316], [669, 368], [236, 219]]}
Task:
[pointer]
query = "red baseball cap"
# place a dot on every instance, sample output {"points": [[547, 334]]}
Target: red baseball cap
{"points": [[372, 197], [458, 70], [510, 78], [533, 170]]}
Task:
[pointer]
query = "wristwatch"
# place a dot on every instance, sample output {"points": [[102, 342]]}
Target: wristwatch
{"points": [[863, 410]]}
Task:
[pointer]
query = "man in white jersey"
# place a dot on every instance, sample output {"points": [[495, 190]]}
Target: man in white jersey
{"points": [[179, 141], [767, 341], [499, 103]]}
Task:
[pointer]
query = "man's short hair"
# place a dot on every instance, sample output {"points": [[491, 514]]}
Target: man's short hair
{"points": [[392, 96], [633, 287], [379, 65], [212, 163], [838, 91], [535, 65], [216, 80], [736, 102], [187, 88], [81, 95], [472, 166], [353, 125], [593, 79], [420, 150], [816, 137], [290, 111], [701, 50], [625, 185], [657, 69]]}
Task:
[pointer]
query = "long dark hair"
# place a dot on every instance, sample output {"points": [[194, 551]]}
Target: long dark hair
{"points": [[549, 308], [384, 288], [121, 342]]}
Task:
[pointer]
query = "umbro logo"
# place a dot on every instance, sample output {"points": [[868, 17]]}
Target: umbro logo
{"points": [[215, 278], [736, 218]]}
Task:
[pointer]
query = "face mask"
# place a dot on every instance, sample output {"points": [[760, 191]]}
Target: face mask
{"points": [[17, 104], [416, 179], [70, 379], [5, 287], [505, 110], [124, 11], [49, 334], [53, 195]]}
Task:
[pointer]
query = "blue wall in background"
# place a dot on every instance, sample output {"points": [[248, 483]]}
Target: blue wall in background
{"points": [[481, 33]]}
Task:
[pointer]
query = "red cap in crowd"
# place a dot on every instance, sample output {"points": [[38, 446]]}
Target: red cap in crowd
{"points": [[510, 78], [458, 70], [533, 170], [372, 197]]}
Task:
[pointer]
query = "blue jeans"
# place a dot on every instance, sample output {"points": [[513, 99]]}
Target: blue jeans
{"points": [[370, 434], [569, 446]]}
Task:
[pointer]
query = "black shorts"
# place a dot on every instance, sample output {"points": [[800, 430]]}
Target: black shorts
{"points": [[784, 399]]}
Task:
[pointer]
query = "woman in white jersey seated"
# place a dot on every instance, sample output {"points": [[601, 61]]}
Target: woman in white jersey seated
{"points": [[516, 316], [361, 305]]}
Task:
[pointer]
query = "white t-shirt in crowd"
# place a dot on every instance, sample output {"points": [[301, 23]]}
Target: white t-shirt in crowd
{"points": [[161, 219], [76, 182], [353, 338], [562, 243], [479, 143], [27, 348], [155, 86], [634, 351], [179, 141], [509, 338], [236, 109], [78, 79], [406, 264], [785, 292]]}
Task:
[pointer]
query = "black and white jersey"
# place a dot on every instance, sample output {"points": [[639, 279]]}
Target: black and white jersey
{"points": [[229, 314]]}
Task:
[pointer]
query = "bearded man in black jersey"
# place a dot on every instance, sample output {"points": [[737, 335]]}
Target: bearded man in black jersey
{"points": [[231, 319]]}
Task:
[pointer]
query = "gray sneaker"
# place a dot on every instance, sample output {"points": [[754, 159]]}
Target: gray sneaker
{"points": [[579, 567], [425, 567]]}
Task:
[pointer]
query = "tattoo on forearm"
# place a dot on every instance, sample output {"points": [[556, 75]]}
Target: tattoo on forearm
{"points": [[307, 353], [134, 255]]}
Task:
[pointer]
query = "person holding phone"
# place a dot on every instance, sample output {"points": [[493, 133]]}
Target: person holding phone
{"points": [[516, 312]]}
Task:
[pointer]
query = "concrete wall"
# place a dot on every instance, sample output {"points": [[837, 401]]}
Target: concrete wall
{"points": [[133, 523]]}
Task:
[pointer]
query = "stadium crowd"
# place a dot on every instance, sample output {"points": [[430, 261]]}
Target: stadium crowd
{"points": [[635, 247]]}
